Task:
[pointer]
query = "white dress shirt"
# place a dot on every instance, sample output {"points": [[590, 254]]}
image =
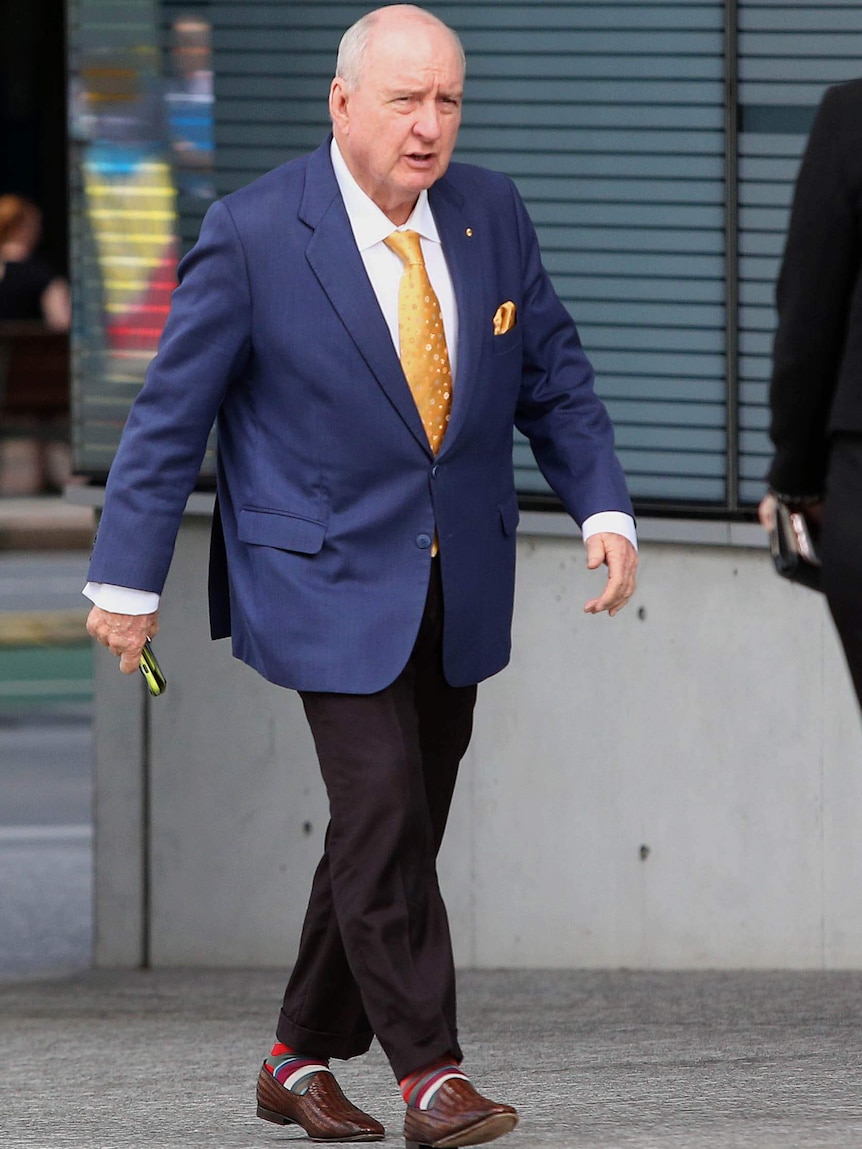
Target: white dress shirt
{"points": [[370, 228]]}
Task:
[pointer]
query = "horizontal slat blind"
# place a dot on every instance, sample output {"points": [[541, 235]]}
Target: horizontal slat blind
{"points": [[609, 117], [274, 61], [788, 54], [131, 207]]}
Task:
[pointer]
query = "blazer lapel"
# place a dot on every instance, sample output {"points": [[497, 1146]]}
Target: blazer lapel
{"points": [[462, 252], [335, 260]]}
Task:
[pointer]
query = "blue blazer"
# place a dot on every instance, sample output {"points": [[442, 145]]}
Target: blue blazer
{"points": [[328, 495]]}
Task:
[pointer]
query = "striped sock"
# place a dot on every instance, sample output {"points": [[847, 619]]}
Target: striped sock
{"points": [[293, 1070], [420, 1088]]}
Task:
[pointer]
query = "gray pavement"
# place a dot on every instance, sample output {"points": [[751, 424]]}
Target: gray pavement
{"points": [[593, 1060]]}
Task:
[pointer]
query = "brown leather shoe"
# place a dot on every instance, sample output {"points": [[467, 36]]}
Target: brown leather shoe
{"points": [[323, 1111], [458, 1116]]}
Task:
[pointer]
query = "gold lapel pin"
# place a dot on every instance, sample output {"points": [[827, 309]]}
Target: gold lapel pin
{"points": [[468, 232]]}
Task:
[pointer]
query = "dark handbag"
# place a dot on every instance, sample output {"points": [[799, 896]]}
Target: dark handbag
{"points": [[792, 543]]}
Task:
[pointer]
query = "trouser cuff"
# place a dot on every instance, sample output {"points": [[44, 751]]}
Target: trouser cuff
{"points": [[316, 1044]]}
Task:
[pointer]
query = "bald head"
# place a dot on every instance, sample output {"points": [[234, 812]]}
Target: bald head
{"points": [[395, 104], [354, 46]]}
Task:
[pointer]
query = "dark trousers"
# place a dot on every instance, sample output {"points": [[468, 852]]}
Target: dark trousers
{"points": [[375, 956], [841, 548]]}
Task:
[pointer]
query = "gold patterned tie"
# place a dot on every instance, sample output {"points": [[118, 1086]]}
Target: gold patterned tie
{"points": [[424, 356]]}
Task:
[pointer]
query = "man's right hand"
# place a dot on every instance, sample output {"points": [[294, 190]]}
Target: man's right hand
{"points": [[123, 634]]}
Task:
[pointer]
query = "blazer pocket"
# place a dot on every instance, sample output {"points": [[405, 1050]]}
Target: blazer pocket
{"points": [[281, 529], [510, 515], [508, 341]]}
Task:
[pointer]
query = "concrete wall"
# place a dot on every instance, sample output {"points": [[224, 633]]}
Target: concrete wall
{"points": [[676, 787]]}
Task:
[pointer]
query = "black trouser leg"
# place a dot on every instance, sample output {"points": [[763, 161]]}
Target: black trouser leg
{"points": [[375, 955]]}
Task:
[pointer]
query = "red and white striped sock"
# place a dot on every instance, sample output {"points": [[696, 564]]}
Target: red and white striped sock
{"points": [[294, 1070], [420, 1088]]}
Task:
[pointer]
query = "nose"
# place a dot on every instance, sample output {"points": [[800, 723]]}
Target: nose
{"points": [[427, 123]]}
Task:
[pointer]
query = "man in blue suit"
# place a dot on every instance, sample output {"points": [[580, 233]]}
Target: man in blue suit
{"points": [[364, 541]]}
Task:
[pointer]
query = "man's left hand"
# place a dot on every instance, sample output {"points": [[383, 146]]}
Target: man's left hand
{"points": [[621, 559]]}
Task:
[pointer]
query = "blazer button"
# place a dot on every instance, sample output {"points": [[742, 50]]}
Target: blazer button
{"points": [[434, 470], [423, 542]]}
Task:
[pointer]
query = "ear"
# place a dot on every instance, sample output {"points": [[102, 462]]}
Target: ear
{"points": [[338, 99]]}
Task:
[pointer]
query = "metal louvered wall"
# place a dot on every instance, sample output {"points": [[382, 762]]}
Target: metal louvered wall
{"points": [[618, 122], [610, 119]]}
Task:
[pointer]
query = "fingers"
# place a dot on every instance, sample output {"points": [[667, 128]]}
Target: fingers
{"points": [[766, 512], [123, 634], [130, 660], [621, 559]]}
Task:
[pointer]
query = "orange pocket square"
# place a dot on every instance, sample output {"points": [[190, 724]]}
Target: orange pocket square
{"points": [[504, 320]]}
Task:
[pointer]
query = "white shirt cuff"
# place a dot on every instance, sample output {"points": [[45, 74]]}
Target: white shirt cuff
{"points": [[612, 522], [121, 599], [126, 600]]}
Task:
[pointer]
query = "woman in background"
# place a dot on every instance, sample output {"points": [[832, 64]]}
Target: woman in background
{"points": [[29, 287]]}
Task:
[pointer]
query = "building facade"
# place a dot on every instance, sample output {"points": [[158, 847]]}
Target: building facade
{"points": [[685, 773]]}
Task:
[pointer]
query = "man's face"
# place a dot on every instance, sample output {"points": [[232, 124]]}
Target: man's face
{"points": [[397, 128]]}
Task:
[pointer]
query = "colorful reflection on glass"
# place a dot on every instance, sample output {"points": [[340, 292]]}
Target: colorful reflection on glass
{"points": [[142, 137], [190, 106]]}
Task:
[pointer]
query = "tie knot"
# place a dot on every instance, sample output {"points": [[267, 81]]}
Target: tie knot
{"points": [[406, 246]]}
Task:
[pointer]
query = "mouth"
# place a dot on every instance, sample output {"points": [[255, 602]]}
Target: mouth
{"points": [[421, 159]]}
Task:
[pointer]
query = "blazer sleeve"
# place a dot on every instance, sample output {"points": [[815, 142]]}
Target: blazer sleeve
{"points": [[203, 348], [813, 295]]}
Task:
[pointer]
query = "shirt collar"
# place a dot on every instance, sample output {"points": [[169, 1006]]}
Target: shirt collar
{"points": [[369, 224]]}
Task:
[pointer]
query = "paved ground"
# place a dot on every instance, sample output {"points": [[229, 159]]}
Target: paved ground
{"points": [[593, 1060]]}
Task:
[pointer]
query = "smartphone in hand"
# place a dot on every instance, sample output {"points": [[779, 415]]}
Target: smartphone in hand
{"points": [[157, 684]]}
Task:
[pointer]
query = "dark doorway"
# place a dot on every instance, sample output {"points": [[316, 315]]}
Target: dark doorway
{"points": [[33, 159]]}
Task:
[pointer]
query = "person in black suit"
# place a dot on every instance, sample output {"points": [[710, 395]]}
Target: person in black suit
{"points": [[816, 387]]}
